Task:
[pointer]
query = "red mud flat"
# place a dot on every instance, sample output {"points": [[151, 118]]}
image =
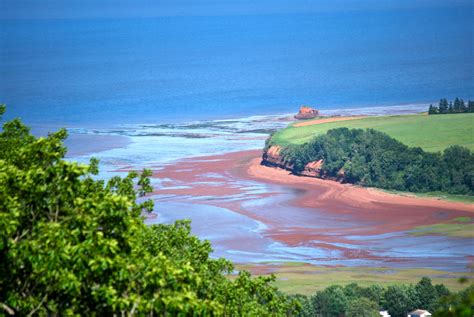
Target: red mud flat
{"points": [[351, 212], [391, 212], [211, 176], [205, 176]]}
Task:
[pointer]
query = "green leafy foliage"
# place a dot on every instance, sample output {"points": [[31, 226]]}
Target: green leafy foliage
{"points": [[457, 305], [401, 299], [372, 158], [362, 307], [331, 302], [74, 245], [353, 300], [427, 294]]}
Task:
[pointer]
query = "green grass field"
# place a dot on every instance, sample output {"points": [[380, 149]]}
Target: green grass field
{"points": [[302, 278], [432, 133]]}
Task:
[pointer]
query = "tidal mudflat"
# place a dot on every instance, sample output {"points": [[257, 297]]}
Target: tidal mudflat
{"points": [[292, 219]]}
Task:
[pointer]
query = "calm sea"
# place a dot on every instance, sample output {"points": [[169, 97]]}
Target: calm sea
{"points": [[79, 71]]}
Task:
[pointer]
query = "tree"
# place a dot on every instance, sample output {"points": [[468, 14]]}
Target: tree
{"points": [[441, 293], [330, 302], [457, 305], [450, 107], [399, 300], [374, 293], [443, 106], [459, 162], [426, 293], [353, 290], [307, 307], [463, 106], [73, 245], [442, 290], [432, 109], [457, 108], [470, 106], [362, 307]]}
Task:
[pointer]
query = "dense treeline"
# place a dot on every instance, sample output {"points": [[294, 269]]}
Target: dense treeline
{"points": [[74, 245], [372, 158], [357, 301], [445, 107]]}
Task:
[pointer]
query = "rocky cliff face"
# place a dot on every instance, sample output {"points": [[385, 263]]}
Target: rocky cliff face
{"points": [[272, 157], [306, 113], [313, 169]]}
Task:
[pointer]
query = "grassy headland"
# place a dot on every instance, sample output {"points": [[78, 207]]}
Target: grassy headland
{"points": [[431, 133], [415, 153]]}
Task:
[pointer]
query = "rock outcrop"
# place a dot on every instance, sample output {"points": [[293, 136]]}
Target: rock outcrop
{"points": [[306, 113], [313, 169], [272, 157]]}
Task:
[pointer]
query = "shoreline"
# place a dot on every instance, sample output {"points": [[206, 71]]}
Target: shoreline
{"points": [[343, 224], [352, 194]]}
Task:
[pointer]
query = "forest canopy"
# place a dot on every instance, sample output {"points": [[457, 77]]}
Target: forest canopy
{"points": [[74, 245]]}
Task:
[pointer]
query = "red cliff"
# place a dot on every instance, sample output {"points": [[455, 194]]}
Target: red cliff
{"points": [[272, 157], [313, 169]]}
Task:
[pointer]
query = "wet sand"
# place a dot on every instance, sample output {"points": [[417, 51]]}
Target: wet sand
{"points": [[316, 221]]}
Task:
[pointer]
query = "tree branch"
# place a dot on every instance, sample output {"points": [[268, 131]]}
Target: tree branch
{"points": [[8, 309], [38, 307]]}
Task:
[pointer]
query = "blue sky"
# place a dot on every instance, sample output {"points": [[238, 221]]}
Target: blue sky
{"points": [[13, 9]]}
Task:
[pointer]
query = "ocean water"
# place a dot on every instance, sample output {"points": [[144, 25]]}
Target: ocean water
{"points": [[205, 61]]}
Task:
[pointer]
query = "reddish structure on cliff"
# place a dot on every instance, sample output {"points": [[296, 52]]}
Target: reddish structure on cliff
{"points": [[306, 113]]}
